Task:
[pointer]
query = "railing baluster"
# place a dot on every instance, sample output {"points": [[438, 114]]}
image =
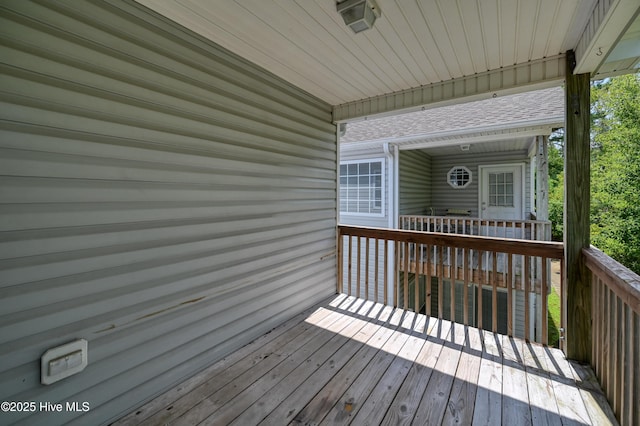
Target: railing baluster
{"points": [[494, 293], [429, 274], [377, 262], [419, 273], [440, 270], [359, 251], [396, 274], [544, 297], [634, 385], [620, 358], [480, 283], [563, 319], [350, 267], [385, 268], [465, 291], [405, 293], [366, 269], [510, 294], [634, 371], [452, 280], [339, 254], [606, 342], [617, 354], [612, 344], [527, 279], [595, 296]]}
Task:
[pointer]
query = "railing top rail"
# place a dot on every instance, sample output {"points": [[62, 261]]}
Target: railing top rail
{"points": [[621, 279], [476, 219], [553, 250]]}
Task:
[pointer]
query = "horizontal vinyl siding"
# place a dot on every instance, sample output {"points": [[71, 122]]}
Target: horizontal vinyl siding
{"points": [[159, 197], [444, 197], [415, 182]]}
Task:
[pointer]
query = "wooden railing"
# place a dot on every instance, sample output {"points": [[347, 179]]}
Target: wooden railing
{"points": [[615, 355], [405, 267], [535, 230]]}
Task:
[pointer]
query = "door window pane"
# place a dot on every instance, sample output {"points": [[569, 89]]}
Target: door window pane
{"points": [[501, 189]]}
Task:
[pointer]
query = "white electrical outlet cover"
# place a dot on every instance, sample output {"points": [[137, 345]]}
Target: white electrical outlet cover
{"points": [[63, 361]]}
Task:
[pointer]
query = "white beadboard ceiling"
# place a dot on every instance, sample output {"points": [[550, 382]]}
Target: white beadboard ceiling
{"points": [[415, 43]]}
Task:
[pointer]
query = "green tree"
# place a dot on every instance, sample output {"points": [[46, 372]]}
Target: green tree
{"points": [[556, 183], [615, 169]]}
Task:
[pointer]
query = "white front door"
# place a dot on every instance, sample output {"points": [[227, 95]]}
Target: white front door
{"points": [[501, 192]]}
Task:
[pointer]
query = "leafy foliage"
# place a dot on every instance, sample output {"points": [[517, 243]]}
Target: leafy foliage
{"points": [[556, 183], [615, 169]]}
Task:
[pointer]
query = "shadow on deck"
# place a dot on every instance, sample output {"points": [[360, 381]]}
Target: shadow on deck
{"points": [[351, 361]]}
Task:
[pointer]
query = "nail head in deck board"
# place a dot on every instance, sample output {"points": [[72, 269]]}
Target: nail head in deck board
{"points": [[223, 388], [568, 398], [379, 399], [276, 337], [366, 381], [406, 401], [312, 351], [595, 401], [294, 404], [515, 400], [488, 404], [462, 398], [435, 398], [541, 399], [323, 402], [310, 387], [259, 403]]}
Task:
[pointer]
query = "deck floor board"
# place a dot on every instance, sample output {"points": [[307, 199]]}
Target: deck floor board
{"points": [[350, 361]]}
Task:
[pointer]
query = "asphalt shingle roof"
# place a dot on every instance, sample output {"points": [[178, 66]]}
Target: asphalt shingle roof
{"points": [[534, 106]]}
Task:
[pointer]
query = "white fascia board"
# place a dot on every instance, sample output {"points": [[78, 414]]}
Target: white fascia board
{"points": [[459, 136], [608, 22], [493, 137], [537, 74]]}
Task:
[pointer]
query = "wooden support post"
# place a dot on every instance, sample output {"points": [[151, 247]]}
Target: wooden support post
{"points": [[576, 213]]}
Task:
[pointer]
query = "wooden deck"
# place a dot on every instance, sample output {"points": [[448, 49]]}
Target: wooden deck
{"points": [[353, 361]]}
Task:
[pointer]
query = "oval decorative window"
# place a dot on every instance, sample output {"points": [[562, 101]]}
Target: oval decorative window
{"points": [[459, 177]]}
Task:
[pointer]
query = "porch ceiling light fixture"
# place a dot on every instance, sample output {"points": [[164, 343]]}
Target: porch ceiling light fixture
{"points": [[359, 15], [465, 147]]}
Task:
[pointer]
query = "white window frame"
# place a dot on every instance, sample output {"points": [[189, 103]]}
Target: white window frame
{"points": [[455, 168], [383, 187]]}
